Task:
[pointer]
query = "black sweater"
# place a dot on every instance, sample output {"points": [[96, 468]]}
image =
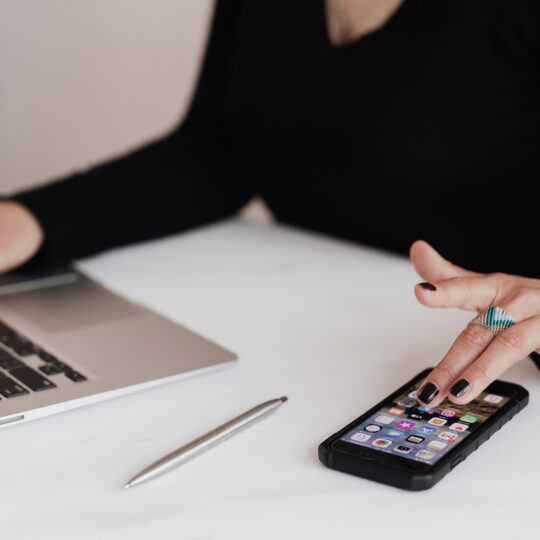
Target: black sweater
{"points": [[427, 128]]}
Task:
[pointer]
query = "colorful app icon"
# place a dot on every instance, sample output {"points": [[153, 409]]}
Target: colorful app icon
{"points": [[413, 394], [401, 448], [405, 424], [416, 439], [469, 418], [437, 421], [416, 416], [429, 410], [426, 430], [382, 443], [360, 437], [447, 436], [373, 428], [394, 433], [396, 411], [437, 445], [493, 398], [407, 403], [424, 454], [382, 419], [448, 413], [456, 426]]}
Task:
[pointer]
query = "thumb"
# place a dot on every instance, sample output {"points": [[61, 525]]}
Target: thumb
{"points": [[432, 266]]}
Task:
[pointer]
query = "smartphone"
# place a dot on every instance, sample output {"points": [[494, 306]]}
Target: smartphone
{"points": [[403, 444]]}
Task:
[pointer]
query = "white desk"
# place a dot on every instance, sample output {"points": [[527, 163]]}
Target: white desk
{"points": [[334, 326]]}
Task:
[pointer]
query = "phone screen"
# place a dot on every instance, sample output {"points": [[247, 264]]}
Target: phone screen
{"points": [[405, 428]]}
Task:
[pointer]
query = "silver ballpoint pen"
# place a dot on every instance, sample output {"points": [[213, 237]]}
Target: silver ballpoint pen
{"points": [[204, 442]]}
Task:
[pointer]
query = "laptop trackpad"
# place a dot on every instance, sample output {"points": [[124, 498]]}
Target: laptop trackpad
{"points": [[69, 306]]}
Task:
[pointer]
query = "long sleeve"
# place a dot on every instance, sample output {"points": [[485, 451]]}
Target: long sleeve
{"points": [[187, 179]]}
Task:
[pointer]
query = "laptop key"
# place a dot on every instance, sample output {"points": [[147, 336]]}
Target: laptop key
{"points": [[47, 357], [21, 346], [24, 349], [31, 378], [53, 360], [50, 369], [5, 330], [44, 355], [4, 354], [74, 375], [8, 362], [9, 388]]}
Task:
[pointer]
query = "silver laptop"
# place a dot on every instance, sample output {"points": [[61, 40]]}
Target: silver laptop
{"points": [[66, 341]]}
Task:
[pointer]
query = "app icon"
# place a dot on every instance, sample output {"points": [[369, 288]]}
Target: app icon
{"points": [[424, 454], [437, 421], [360, 437], [382, 419], [469, 418], [416, 416], [402, 449], [373, 428], [426, 430], [382, 443], [429, 410], [448, 413], [395, 433], [493, 398], [437, 445], [416, 439], [396, 411], [456, 426], [407, 403], [413, 394], [447, 436], [405, 424]]}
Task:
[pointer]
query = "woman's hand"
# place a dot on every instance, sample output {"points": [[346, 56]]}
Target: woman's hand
{"points": [[20, 235], [477, 357]]}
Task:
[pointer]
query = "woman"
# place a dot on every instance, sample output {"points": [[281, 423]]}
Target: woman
{"points": [[378, 121]]}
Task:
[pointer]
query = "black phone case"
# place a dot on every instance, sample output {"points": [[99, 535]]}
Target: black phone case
{"points": [[404, 478]]}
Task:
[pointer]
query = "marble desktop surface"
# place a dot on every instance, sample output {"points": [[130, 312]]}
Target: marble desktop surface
{"points": [[332, 325]]}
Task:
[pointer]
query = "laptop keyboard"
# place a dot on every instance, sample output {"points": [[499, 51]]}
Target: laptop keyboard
{"points": [[16, 377]]}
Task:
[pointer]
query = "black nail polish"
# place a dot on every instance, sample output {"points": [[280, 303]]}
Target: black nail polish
{"points": [[428, 286], [460, 388], [428, 392]]}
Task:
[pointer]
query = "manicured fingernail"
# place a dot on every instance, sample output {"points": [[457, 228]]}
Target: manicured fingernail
{"points": [[460, 388], [428, 286], [428, 392]]}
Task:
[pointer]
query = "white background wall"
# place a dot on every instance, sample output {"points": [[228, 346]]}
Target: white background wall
{"points": [[84, 80]]}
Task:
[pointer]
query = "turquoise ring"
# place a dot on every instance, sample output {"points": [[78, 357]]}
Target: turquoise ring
{"points": [[495, 319]]}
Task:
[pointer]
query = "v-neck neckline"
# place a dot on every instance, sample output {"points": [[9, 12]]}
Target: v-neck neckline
{"points": [[395, 18]]}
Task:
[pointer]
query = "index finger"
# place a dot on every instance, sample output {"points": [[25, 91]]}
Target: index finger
{"points": [[468, 346], [464, 292]]}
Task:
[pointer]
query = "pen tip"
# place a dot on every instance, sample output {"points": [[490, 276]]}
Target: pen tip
{"points": [[283, 398], [128, 485]]}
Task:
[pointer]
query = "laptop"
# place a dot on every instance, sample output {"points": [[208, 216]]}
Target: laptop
{"points": [[66, 341]]}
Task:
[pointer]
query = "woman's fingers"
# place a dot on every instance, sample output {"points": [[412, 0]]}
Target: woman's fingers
{"points": [[473, 344], [476, 358], [432, 266], [507, 348], [467, 347]]}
